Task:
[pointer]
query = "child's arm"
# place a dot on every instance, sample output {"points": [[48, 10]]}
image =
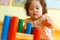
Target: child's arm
{"points": [[48, 22]]}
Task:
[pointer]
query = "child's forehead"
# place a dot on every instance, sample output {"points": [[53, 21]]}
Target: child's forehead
{"points": [[35, 3]]}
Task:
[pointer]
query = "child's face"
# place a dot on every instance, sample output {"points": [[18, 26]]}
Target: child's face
{"points": [[35, 9]]}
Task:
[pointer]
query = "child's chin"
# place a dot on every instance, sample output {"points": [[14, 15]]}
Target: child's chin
{"points": [[36, 18]]}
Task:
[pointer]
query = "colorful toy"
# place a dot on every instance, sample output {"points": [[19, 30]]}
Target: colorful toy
{"points": [[29, 27], [13, 24], [13, 28], [20, 26], [6, 26], [36, 34]]}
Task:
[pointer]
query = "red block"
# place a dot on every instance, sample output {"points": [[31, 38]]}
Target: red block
{"points": [[13, 28], [36, 34]]}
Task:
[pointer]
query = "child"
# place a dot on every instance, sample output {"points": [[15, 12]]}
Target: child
{"points": [[36, 9]]}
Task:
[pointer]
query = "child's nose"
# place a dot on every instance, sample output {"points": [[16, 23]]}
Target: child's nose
{"points": [[34, 10]]}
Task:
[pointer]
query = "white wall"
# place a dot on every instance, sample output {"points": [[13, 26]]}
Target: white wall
{"points": [[55, 15], [12, 11]]}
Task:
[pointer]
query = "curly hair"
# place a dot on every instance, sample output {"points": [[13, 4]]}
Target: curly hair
{"points": [[42, 2]]}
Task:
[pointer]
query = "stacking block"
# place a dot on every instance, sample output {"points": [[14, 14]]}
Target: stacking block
{"points": [[5, 29], [36, 34], [29, 27], [13, 28], [23, 36], [20, 26], [32, 29]]}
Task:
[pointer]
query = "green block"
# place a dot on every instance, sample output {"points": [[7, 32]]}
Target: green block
{"points": [[20, 26]]}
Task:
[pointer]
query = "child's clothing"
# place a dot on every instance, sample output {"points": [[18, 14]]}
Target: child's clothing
{"points": [[49, 33], [46, 33]]}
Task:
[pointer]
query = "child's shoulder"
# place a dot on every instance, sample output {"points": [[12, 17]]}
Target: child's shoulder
{"points": [[48, 18], [27, 20], [48, 21], [45, 17]]}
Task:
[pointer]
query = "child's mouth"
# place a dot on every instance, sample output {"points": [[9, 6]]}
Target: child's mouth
{"points": [[34, 14]]}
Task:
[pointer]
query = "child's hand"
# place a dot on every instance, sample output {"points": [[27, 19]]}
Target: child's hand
{"points": [[46, 21], [43, 35]]}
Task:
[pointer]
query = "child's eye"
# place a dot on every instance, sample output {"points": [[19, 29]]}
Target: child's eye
{"points": [[37, 8], [31, 9]]}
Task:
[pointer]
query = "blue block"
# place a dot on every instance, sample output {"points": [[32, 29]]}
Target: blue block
{"points": [[29, 27], [5, 29]]}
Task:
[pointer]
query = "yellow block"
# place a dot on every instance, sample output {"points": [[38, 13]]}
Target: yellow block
{"points": [[22, 36]]}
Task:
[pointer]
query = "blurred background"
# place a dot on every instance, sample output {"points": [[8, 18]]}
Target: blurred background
{"points": [[16, 8]]}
